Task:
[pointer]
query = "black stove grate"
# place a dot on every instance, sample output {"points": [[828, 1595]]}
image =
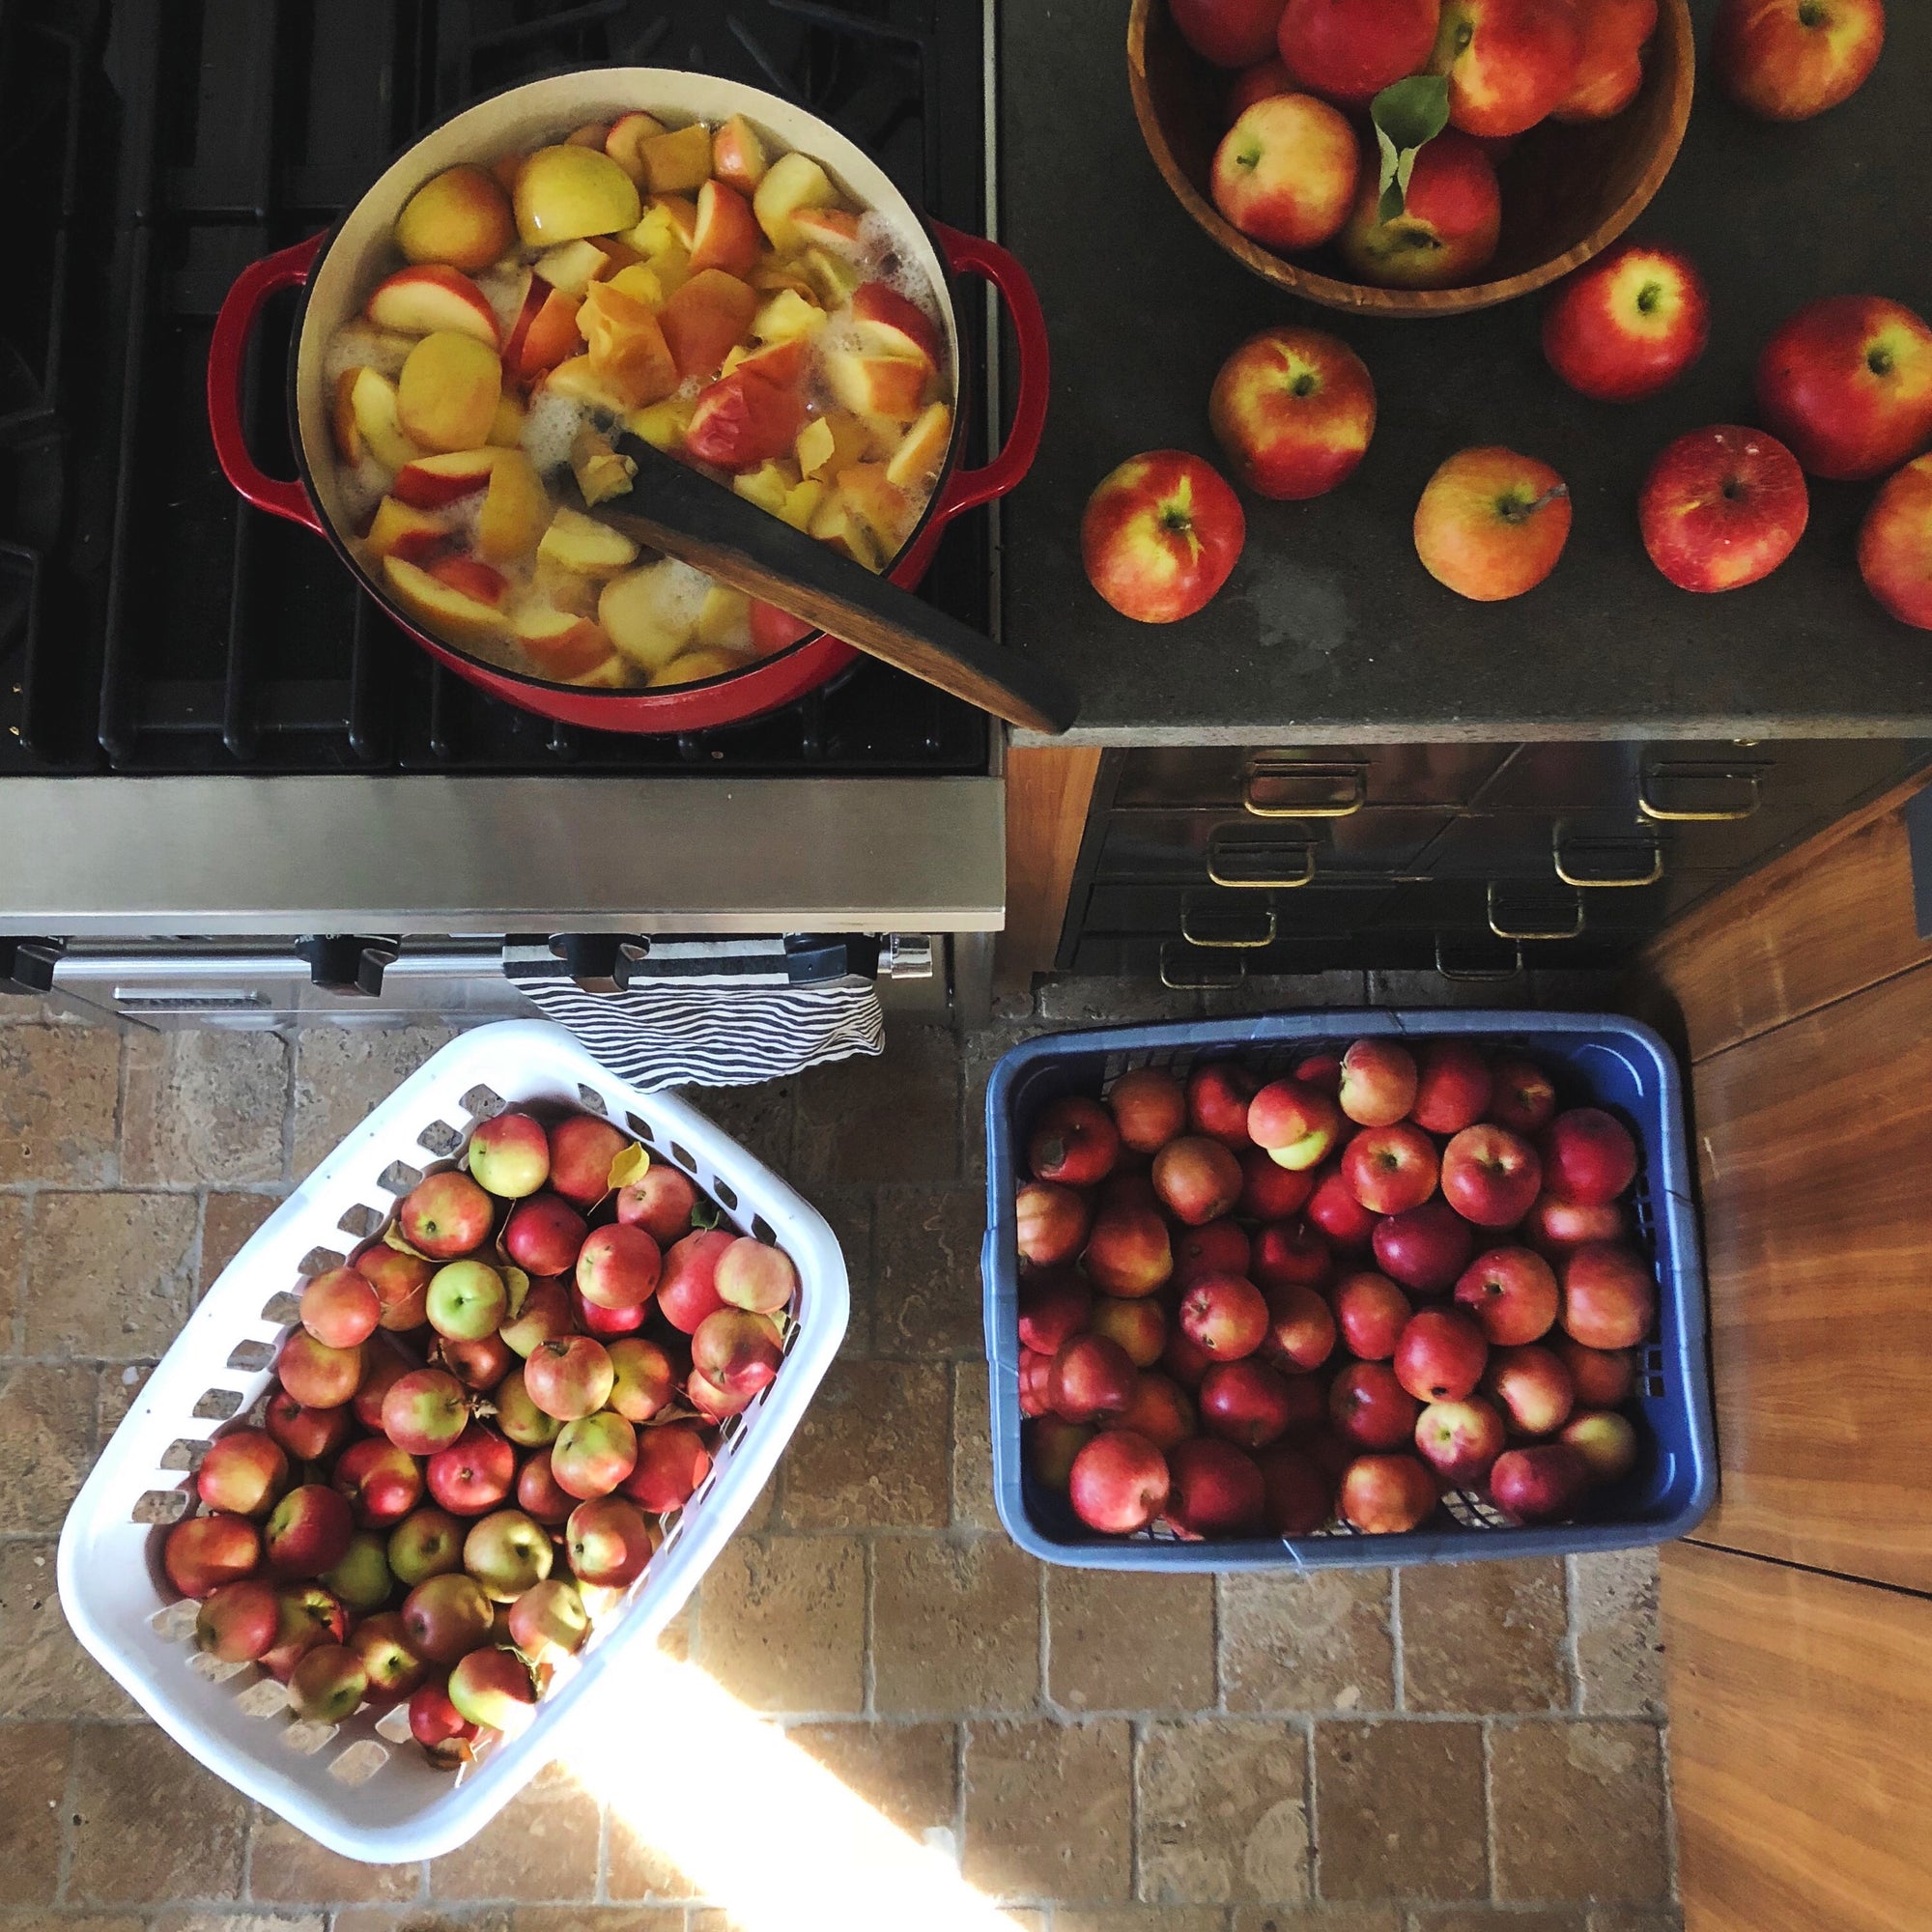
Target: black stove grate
{"points": [[151, 623]]}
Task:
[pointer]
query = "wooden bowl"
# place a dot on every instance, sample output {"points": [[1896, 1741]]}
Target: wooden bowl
{"points": [[1569, 190]]}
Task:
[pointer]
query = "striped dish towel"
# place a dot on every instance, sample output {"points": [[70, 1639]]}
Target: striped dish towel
{"points": [[710, 1012]]}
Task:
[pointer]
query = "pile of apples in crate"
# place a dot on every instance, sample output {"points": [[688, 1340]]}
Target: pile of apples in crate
{"points": [[477, 1431], [1253, 1308]]}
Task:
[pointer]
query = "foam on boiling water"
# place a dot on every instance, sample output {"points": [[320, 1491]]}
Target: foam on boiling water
{"points": [[504, 289], [887, 254], [680, 592], [361, 344], [550, 427]]}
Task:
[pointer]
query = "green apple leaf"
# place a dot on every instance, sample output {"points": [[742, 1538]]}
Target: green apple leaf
{"points": [[1408, 115]]}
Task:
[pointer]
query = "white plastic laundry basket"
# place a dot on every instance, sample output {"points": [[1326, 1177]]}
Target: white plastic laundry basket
{"points": [[350, 1787]]}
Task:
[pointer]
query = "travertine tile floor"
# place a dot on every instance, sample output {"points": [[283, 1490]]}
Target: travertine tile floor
{"points": [[1479, 1746]]}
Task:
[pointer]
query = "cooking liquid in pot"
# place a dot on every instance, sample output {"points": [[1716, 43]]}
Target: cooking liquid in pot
{"points": [[751, 323]]}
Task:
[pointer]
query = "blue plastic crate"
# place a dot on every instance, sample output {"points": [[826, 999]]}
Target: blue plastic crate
{"points": [[1594, 1058]]}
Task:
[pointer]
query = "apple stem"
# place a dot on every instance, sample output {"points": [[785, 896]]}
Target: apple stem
{"points": [[1514, 510]]}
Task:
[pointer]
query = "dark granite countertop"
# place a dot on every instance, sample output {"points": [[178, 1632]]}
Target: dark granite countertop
{"points": [[1329, 628]]}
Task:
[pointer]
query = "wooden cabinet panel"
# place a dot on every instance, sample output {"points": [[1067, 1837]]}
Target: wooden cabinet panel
{"points": [[1049, 790], [1800, 1710], [1815, 1159]]}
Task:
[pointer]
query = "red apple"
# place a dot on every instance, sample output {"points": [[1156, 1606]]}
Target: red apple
{"points": [[1524, 1098], [1609, 1296], [1895, 544], [327, 1685], [1723, 507], [1320, 1070], [1531, 1387], [688, 1286], [589, 1458], [1451, 220], [1425, 1249], [1491, 1175], [1053, 1223], [608, 1542], [1160, 535], [244, 1472], [1300, 1332], [1611, 71], [1285, 173], [1139, 1326], [341, 1308], [238, 1622], [1218, 1097], [206, 1552], [1390, 1169], [474, 1473], [1589, 1156], [1128, 1251], [569, 1376], [735, 1350], [1335, 1210], [1440, 1355], [1246, 1402], [400, 1283], [1292, 410], [1271, 1192], [1198, 1179], [317, 1376], [1289, 1253], [1510, 63], [1847, 384], [1545, 1484], [307, 1532], [547, 1312], [1349, 50], [424, 1410], [1075, 1141], [1185, 1359], [618, 1266], [1460, 1441], [1380, 1080], [1512, 1295], [1160, 1410], [479, 1364], [1091, 1377], [538, 1492], [1117, 1483], [438, 1726], [1604, 1378], [380, 1483], [1554, 1226], [1628, 324], [1259, 83], [581, 1149], [672, 1464], [1052, 1445], [446, 1215], [509, 1155], [755, 1276], [1386, 1495], [1224, 1316], [1229, 33], [308, 1435], [1034, 1371], [1214, 1490], [1371, 1313], [1215, 1247], [1788, 59], [1054, 1304], [1452, 1086], [1491, 525], [1150, 1108], [1295, 1123], [545, 1233], [659, 1202], [1370, 1409]]}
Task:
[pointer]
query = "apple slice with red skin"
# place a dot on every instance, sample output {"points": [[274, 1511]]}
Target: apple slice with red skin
{"points": [[430, 295], [889, 324], [728, 235]]}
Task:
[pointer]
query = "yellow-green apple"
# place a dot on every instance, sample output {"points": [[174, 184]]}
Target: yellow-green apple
{"points": [[1054, 1304], [1491, 1175], [1386, 1495], [1300, 1334], [382, 1646], [1461, 1440], [460, 216], [544, 1237], [307, 1532], [1588, 1156], [327, 1685], [1297, 1498], [1138, 1325], [660, 1203], [549, 1622], [206, 1552], [1292, 410], [1723, 507], [427, 1543], [569, 1375], [237, 1622], [1229, 33], [1073, 1141], [1847, 384], [1117, 1483], [1895, 544], [309, 1616], [1609, 1296], [1218, 1097], [467, 1300], [753, 1274], [506, 1552], [474, 1474], [1371, 1313], [1544, 1484], [418, 300], [1223, 1315], [737, 1350], [1491, 523], [425, 1411], [1611, 71], [1091, 1377], [379, 1482], [1214, 1490], [1160, 1409], [581, 1149], [1197, 1178], [1628, 324], [1522, 1098], [446, 1616], [1336, 1211], [341, 1308], [1510, 62], [1286, 1254], [244, 1472], [1440, 1355], [362, 1581], [1295, 1123], [538, 1492], [509, 1154], [494, 1689], [608, 1541], [1284, 172], [446, 1215], [1788, 59], [672, 1462], [438, 1726], [1246, 1402], [1453, 1085], [643, 1377], [618, 1266], [307, 1434], [316, 1375], [1531, 1387], [1447, 231], [1379, 1082], [1259, 83], [593, 1455], [1423, 1248], [1390, 1169], [1160, 535], [519, 1417], [1349, 50], [688, 1287], [1150, 1107], [1607, 1442], [566, 191], [1270, 1193], [1512, 1294]]}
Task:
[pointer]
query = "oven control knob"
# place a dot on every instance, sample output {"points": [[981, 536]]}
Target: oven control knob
{"points": [[347, 963], [598, 962]]}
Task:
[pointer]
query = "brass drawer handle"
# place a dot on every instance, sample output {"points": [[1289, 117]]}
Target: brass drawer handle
{"points": [[1351, 781], [1193, 938], [1473, 975], [1570, 878], [1221, 852], [1666, 815], [1205, 979], [1498, 911]]}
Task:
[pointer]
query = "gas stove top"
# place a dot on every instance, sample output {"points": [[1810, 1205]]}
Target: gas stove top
{"points": [[152, 625]]}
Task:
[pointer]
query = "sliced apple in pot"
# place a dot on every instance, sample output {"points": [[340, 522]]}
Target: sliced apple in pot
{"points": [[651, 612], [544, 332], [888, 324], [430, 295], [792, 181], [663, 424], [506, 426], [515, 510], [876, 385], [429, 482], [561, 644], [460, 216], [693, 666], [628, 134], [788, 317], [879, 503], [443, 607], [446, 395], [677, 162], [837, 523], [628, 346], [475, 579], [724, 622], [342, 428], [833, 228], [830, 443], [742, 420], [400, 530], [916, 462], [579, 377], [573, 266], [704, 319], [566, 191], [727, 236], [738, 155], [581, 544], [372, 400], [669, 221]]}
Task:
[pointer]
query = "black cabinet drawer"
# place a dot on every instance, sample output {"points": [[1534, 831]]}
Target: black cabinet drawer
{"points": [[1235, 849], [1307, 781], [1222, 920]]}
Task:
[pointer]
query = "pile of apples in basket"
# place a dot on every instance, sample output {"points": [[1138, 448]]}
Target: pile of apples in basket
{"points": [[477, 1431], [1253, 1310]]}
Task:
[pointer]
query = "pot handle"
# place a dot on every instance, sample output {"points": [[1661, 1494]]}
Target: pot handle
{"points": [[974, 255], [227, 359]]}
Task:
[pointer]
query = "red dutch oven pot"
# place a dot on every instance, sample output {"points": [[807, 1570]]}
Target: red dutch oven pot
{"points": [[336, 271]]}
